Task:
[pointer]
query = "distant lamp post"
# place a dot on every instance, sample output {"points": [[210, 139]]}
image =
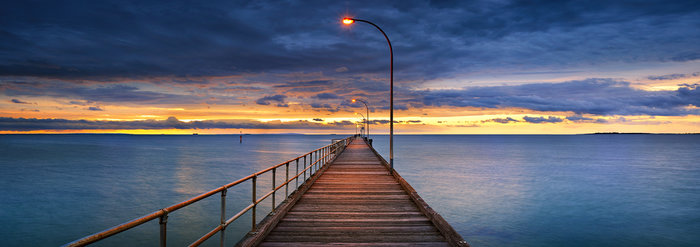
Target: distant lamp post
{"points": [[367, 108], [364, 119], [349, 21]]}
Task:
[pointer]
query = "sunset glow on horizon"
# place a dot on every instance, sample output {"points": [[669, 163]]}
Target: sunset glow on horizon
{"points": [[227, 68]]}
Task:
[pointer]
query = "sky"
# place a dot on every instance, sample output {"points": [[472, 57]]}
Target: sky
{"points": [[460, 67]]}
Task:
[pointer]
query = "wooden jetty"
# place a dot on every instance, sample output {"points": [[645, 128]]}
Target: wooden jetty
{"points": [[342, 194], [355, 200]]}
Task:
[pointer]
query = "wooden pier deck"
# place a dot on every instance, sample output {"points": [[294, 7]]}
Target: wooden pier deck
{"points": [[357, 200]]}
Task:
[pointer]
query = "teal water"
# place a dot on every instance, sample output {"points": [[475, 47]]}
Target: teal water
{"points": [[495, 190]]}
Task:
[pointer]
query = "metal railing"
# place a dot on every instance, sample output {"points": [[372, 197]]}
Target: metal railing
{"points": [[316, 160]]}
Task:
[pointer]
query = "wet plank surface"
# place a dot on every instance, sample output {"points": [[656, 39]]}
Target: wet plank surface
{"points": [[355, 202]]}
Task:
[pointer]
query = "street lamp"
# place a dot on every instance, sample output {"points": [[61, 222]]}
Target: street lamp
{"points": [[364, 119], [366, 107], [349, 21]]}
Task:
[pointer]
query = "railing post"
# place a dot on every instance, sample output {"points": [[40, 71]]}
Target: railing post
{"points": [[255, 178], [163, 227], [311, 163], [274, 179], [286, 180], [304, 169], [316, 161], [296, 181], [223, 216]]}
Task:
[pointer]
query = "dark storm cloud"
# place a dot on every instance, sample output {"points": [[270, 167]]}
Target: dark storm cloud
{"points": [[324, 106], [115, 93], [536, 120], [324, 96], [672, 76], [591, 96], [273, 98], [28, 124], [105, 40], [578, 118], [501, 120]]}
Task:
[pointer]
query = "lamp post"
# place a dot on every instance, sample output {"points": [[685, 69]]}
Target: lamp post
{"points": [[363, 119], [348, 21], [366, 107]]}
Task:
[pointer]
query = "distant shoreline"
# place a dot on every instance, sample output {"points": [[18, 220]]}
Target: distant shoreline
{"points": [[126, 134]]}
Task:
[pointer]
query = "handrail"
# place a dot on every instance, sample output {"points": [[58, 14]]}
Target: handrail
{"points": [[322, 156]]}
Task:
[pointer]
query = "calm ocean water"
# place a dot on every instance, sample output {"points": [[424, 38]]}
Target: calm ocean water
{"points": [[496, 190]]}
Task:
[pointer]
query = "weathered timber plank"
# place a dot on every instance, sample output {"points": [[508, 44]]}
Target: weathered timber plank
{"points": [[352, 214], [366, 196], [321, 244], [355, 192], [358, 229], [355, 208], [352, 224], [411, 237]]}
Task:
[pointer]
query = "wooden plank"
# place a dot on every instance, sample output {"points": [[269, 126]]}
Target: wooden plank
{"points": [[320, 244], [409, 237], [358, 229], [352, 214]]}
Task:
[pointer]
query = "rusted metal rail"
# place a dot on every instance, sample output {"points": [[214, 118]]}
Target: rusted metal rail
{"points": [[311, 163]]}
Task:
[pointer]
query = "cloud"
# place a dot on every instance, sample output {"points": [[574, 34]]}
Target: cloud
{"points": [[324, 106], [578, 118], [267, 99], [324, 96], [95, 108], [673, 76], [16, 101], [217, 38], [303, 84], [591, 96], [501, 120], [318, 119], [29, 124], [113, 93], [537, 120]]}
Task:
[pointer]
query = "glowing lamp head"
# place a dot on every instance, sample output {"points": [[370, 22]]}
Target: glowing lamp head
{"points": [[348, 21], [354, 100]]}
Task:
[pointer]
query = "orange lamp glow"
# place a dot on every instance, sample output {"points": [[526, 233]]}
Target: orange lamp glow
{"points": [[348, 21], [354, 100]]}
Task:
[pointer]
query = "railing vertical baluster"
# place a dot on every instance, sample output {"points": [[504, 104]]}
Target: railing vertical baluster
{"points": [[304, 169], [315, 159], [286, 180], [274, 178], [296, 180], [223, 216], [163, 227], [255, 178], [311, 163]]}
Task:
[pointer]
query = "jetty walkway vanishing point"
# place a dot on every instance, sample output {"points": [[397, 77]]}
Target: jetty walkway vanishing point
{"points": [[350, 197]]}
